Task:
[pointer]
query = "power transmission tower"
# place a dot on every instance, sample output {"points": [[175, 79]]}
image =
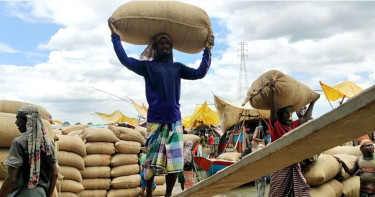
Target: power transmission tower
{"points": [[242, 80]]}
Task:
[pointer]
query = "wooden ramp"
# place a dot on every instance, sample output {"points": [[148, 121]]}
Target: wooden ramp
{"points": [[353, 119]]}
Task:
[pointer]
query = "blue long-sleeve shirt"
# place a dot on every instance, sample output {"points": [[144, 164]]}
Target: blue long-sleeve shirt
{"points": [[163, 82]]}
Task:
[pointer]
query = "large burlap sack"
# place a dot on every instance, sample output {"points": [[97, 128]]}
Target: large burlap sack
{"points": [[230, 156], [69, 186], [124, 192], [55, 133], [125, 170], [70, 173], [332, 188], [324, 169], [123, 159], [159, 190], [67, 194], [71, 144], [68, 129], [93, 193], [351, 186], [350, 161], [191, 137], [125, 182], [106, 148], [96, 184], [65, 158], [127, 134], [137, 22], [78, 133], [3, 167], [9, 129], [159, 180], [96, 172], [142, 130], [289, 92], [97, 160], [128, 147], [99, 135], [12, 107], [349, 150]]}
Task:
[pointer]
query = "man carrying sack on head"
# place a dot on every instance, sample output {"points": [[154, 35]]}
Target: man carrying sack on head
{"points": [[163, 81]]}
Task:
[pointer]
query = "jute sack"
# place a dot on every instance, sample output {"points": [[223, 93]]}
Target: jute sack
{"points": [[9, 130], [124, 192], [71, 144], [96, 172], [12, 107], [159, 190], [231, 156], [128, 147], [289, 92], [125, 182], [55, 133], [324, 169], [96, 184], [123, 159], [351, 186], [125, 170], [93, 193], [142, 130], [65, 158], [159, 180], [349, 150], [69, 186], [68, 129], [78, 133], [3, 168], [67, 194], [70, 173], [106, 148], [191, 137], [332, 188], [350, 161], [99, 135], [137, 22], [97, 160], [127, 134]]}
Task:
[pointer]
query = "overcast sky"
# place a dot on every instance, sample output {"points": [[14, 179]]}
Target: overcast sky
{"points": [[52, 53]]}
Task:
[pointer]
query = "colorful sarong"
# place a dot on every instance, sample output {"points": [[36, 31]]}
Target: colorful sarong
{"points": [[289, 182], [164, 147], [189, 179]]}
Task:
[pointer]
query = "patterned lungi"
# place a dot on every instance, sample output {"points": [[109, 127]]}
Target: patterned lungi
{"points": [[164, 147], [289, 182]]}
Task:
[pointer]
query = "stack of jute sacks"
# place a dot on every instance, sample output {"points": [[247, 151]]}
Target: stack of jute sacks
{"points": [[160, 186], [71, 151], [124, 163], [9, 130], [99, 143], [326, 176]]}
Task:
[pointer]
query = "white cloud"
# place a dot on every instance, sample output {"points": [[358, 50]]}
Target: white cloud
{"points": [[331, 42], [6, 48]]}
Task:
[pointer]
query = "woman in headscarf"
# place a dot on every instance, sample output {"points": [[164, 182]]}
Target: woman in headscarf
{"points": [[163, 81], [188, 166], [32, 165]]}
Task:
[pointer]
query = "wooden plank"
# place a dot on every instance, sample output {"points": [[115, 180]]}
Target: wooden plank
{"points": [[353, 119]]}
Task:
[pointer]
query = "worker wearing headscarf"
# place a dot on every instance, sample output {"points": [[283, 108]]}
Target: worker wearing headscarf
{"points": [[32, 165]]}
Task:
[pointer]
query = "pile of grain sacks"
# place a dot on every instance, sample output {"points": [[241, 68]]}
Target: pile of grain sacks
{"points": [[99, 143], [160, 186], [327, 177], [124, 163], [70, 153]]}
